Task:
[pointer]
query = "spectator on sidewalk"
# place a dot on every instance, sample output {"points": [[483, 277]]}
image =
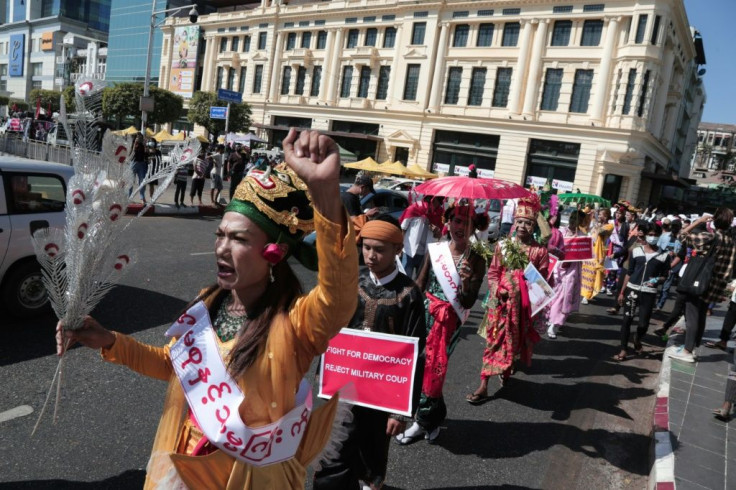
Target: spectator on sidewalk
{"points": [[415, 225], [673, 246], [140, 165], [701, 239], [180, 179], [351, 198], [200, 167], [235, 169], [154, 164], [723, 413], [728, 321], [507, 217], [216, 175]]}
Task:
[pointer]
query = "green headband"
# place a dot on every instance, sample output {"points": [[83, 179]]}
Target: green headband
{"points": [[301, 251]]}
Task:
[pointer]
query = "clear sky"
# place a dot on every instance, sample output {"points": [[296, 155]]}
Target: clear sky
{"points": [[715, 21]]}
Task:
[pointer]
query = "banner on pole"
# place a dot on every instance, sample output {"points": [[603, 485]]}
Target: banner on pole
{"points": [[578, 248], [381, 366], [184, 60]]}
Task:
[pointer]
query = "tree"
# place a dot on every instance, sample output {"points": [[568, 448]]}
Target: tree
{"points": [[121, 101], [69, 100], [199, 113], [48, 98], [168, 107]]}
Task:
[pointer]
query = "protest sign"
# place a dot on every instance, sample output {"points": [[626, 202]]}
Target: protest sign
{"points": [[540, 292], [578, 248], [553, 261], [381, 366], [610, 265]]}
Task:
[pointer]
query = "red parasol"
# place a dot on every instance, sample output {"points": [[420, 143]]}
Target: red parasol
{"points": [[471, 188]]}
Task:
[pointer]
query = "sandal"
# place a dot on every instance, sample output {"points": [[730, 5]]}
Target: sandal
{"points": [[678, 330], [716, 345], [660, 332], [722, 415], [620, 358], [477, 398], [612, 311]]}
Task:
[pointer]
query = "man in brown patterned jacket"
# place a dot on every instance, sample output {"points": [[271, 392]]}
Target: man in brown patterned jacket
{"points": [[697, 236]]}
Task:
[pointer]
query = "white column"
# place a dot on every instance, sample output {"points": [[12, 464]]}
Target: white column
{"points": [[438, 58], [275, 69], [660, 104], [518, 77], [395, 64], [604, 74], [535, 67], [209, 63], [324, 90], [334, 71]]}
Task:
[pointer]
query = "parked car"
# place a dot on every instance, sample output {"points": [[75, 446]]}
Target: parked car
{"points": [[388, 202], [57, 136], [494, 214], [32, 196], [397, 184]]}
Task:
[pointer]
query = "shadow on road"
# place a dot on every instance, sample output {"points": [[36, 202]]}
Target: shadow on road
{"points": [[561, 399], [125, 309], [499, 440], [128, 480]]}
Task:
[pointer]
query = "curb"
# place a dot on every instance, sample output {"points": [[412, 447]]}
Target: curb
{"points": [[172, 210], [663, 469]]}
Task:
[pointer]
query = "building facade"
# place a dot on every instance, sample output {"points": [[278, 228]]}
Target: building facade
{"points": [[39, 39], [715, 149], [600, 97], [128, 40]]}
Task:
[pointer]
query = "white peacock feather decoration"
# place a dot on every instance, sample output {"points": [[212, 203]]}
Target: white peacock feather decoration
{"points": [[83, 261]]}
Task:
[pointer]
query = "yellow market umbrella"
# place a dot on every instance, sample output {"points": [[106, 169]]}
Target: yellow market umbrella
{"points": [[162, 135], [149, 133], [367, 165], [418, 172], [393, 168], [202, 139]]}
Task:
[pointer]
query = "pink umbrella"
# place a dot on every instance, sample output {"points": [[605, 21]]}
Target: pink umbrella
{"points": [[471, 188]]}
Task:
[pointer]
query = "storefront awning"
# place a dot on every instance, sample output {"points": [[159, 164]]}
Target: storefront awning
{"points": [[666, 179], [342, 134]]}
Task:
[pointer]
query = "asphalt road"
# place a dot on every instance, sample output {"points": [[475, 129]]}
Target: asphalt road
{"points": [[574, 419]]}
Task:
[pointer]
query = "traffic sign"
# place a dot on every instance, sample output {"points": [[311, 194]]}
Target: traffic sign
{"points": [[218, 112], [230, 96]]}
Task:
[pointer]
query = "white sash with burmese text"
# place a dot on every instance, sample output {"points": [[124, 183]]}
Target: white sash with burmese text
{"points": [[447, 275], [214, 397]]}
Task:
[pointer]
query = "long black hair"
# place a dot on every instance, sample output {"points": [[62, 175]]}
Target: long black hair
{"points": [[277, 298]]}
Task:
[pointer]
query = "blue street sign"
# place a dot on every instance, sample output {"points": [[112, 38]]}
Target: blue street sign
{"points": [[218, 112], [230, 96]]}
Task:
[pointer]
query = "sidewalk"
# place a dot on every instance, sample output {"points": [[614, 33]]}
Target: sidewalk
{"points": [[694, 450], [165, 204]]}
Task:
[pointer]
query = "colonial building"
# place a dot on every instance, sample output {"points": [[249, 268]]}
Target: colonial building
{"points": [[715, 149], [601, 97]]}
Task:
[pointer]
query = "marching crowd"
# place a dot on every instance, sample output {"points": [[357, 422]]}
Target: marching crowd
{"points": [[423, 273]]}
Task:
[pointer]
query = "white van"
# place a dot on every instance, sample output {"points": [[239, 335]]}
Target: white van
{"points": [[32, 196], [57, 136]]}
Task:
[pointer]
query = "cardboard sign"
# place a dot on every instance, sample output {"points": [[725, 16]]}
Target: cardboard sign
{"points": [[381, 366], [578, 248], [553, 261], [540, 292]]}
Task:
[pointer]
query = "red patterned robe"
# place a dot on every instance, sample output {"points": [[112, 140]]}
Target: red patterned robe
{"points": [[511, 334]]}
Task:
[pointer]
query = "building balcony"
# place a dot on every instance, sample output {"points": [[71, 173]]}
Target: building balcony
{"points": [[301, 56], [364, 55], [229, 56]]}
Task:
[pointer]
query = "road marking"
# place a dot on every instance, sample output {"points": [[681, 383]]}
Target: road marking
{"points": [[204, 253], [16, 412]]}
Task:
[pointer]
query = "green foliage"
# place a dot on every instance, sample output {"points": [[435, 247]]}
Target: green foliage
{"points": [[4, 100], [168, 106], [121, 101], [21, 105], [71, 104], [48, 97], [513, 256], [199, 113], [482, 248]]}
